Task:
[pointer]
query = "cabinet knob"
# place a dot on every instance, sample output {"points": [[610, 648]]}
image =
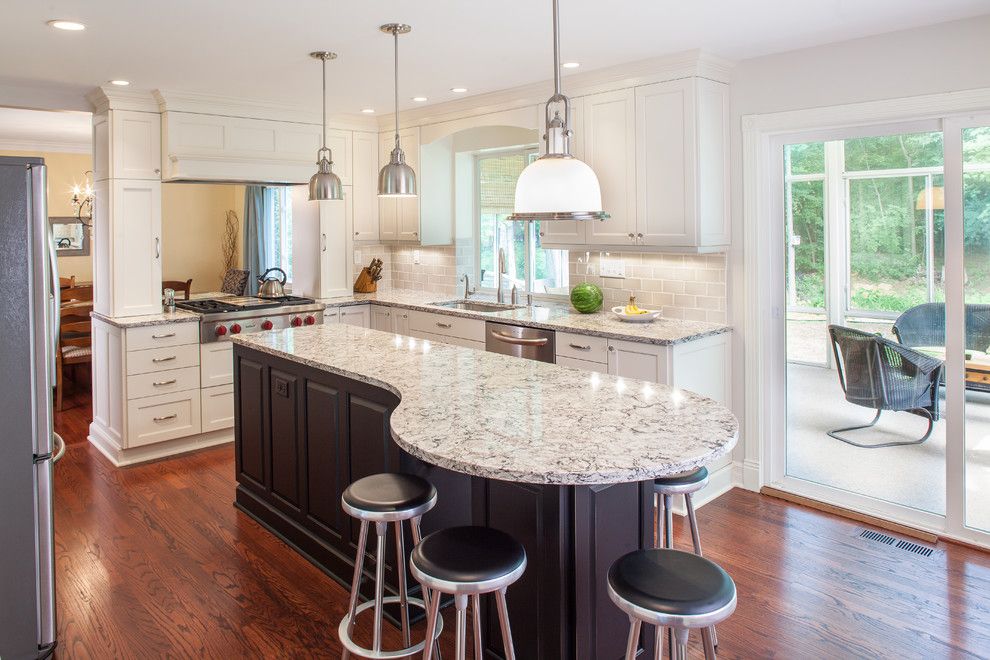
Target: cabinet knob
{"points": [[542, 234], [157, 171], [632, 235], [611, 348], [356, 233]]}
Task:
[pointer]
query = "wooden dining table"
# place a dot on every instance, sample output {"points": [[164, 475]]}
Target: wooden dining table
{"points": [[977, 363]]}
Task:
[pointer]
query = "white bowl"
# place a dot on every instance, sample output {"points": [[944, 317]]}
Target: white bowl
{"points": [[650, 315]]}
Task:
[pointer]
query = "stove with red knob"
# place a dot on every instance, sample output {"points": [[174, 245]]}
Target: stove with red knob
{"points": [[223, 318]]}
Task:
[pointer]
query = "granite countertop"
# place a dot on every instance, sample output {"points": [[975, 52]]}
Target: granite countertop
{"points": [[549, 316], [502, 417], [178, 316]]}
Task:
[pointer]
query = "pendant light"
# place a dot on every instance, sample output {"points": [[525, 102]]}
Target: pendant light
{"points": [[324, 184], [396, 179], [558, 186]]}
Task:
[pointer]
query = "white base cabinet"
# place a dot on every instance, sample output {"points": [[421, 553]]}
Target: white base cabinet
{"points": [[359, 315]]}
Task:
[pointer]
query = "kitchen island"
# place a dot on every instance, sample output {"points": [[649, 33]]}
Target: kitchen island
{"points": [[559, 458]]}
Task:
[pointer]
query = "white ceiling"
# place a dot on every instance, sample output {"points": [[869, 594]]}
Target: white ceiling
{"points": [[45, 131], [257, 49]]}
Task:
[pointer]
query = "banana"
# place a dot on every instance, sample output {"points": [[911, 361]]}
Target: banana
{"points": [[632, 309]]}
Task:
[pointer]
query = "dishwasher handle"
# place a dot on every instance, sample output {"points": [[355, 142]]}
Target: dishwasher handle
{"points": [[519, 341]]}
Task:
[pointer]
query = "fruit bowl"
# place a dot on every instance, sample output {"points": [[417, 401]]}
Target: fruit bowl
{"points": [[648, 315]]}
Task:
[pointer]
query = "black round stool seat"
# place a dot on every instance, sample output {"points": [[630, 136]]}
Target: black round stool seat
{"points": [[686, 479], [671, 582], [468, 555], [389, 493]]}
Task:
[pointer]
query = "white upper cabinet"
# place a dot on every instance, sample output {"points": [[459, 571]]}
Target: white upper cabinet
{"points": [[399, 217], [682, 163], [610, 150], [341, 148], [566, 232], [127, 145], [364, 163], [336, 227]]}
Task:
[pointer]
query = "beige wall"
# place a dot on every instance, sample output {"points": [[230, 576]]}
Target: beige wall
{"points": [[64, 171], [193, 220]]}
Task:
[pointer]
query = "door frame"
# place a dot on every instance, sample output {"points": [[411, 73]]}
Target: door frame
{"points": [[765, 304]]}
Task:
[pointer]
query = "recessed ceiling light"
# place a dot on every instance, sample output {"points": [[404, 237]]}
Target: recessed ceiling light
{"points": [[571, 65], [458, 90], [368, 111], [419, 99], [120, 83], [72, 26]]}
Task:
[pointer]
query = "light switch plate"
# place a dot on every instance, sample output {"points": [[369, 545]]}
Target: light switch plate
{"points": [[613, 268], [357, 256], [415, 256]]}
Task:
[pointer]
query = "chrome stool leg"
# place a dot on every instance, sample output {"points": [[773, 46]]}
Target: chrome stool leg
{"points": [[476, 608], [503, 619], [400, 568], [432, 615], [380, 529], [632, 644], [460, 604], [696, 539], [417, 536], [356, 582]]}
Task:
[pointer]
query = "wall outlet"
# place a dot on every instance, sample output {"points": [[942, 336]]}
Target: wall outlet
{"points": [[357, 256], [415, 256], [613, 268]]}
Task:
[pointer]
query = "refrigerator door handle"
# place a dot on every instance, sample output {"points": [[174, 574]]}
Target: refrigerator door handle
{"points": [[46, 554], [59, 448]]}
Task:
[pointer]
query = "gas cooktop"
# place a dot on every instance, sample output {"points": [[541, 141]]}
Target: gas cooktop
{"points": [[220, 318], [239, 304]]}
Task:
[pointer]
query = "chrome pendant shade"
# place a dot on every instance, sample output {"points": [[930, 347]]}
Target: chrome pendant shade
{"points": [[397, 178], [558, 186], [325, 185]]}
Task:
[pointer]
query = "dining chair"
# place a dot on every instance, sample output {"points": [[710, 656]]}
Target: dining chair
{"points": [[75, 343], [76, 294], [177, 286], [66, 282]]}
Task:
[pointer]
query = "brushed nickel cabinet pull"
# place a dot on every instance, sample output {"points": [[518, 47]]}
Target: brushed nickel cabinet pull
{"points": [[443, 325], [164, 418], [164, 359], [163, 383], [580, 347], [165, 336]]}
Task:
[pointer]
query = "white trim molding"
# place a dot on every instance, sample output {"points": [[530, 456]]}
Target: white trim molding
{"points": [[49, 146]]}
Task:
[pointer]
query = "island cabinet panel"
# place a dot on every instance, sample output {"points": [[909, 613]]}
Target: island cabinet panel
{"points": [[303, 434]]}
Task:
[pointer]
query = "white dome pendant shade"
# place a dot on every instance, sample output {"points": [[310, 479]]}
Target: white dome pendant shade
{"points": [[397, 178], [324, 185], [558, 186]]}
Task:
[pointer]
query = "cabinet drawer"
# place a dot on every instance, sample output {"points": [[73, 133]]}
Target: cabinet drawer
{"points": [[165, 417], [162, 382], [161, 359], [157, 336], [218, 407], [448, 326], [216, 362], [582, 347], [584, 365]]}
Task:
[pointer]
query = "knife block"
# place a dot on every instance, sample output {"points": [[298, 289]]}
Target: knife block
{"points": [[364, 283]]}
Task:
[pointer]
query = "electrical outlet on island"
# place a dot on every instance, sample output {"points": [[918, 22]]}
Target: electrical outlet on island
{"points": [[415, 256], [615, 268]]}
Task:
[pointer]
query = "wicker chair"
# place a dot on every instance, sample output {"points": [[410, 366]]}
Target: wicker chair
{"points": [[235, 281], [881, 374], [924, 325]]}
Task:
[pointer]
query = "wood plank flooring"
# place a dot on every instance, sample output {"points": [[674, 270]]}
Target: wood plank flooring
{"points": [[154, 561]]}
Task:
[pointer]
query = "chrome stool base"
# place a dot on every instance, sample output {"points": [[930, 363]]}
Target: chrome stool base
{"points": [[360, 651]]}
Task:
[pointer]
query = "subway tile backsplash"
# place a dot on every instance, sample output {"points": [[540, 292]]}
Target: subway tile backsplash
{"points": [[684, 286]]}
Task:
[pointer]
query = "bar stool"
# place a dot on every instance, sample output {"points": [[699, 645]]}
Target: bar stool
{"points": [[685, 484], [468, 562], [674, 589], [383, 499]]}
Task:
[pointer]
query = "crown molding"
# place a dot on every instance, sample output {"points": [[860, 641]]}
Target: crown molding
{"points": [[50, 146], [214, 104], [692, 63], [109, 97]]}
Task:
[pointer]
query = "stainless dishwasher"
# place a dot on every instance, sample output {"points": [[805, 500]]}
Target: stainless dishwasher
{"points": [[531, 343]]}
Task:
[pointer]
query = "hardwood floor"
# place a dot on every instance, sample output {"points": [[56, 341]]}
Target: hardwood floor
{"points": [[154, 561]]}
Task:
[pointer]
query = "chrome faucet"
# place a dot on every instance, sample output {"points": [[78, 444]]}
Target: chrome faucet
{"points": [[467, 286], [514, 295], [499, 294]]}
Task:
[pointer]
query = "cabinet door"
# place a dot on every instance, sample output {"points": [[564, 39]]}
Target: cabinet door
{"points": [[136, 265], [567, 232], [358, 315], [336, 218], [136, 145], [364, 163], [381, 318], [400, 322], [628, 359], [388, 207], [341, 148], [331, 315], [666, 163], [610, 150]]}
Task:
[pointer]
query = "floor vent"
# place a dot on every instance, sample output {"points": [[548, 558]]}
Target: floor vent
{"points": [[879, 537], [915, 548]]}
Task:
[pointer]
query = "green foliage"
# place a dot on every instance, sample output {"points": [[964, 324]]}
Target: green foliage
{"points": [[894, 152], [808, 158]]}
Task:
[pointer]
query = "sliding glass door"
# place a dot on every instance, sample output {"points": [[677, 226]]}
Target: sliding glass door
{"points": [[886, 285]]}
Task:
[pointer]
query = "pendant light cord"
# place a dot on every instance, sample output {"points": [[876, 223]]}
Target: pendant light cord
{"points": [[556, 49], [395, 35]]}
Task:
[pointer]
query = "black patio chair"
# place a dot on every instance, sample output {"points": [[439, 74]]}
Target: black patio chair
{"points": [[881, 374], [924, 325]]}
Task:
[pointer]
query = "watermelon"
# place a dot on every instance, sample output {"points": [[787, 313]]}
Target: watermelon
{"points": [[586, 298]]}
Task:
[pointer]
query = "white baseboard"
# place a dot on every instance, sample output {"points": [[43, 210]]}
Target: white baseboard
{"points": [[750, 475], [720, 482], [121, 457]]}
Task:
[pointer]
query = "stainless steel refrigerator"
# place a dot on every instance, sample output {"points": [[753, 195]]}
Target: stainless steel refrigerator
{"points": [[29, 309]]}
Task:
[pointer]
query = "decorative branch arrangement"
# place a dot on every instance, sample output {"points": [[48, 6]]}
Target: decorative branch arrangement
{"points": [[228, 244]]}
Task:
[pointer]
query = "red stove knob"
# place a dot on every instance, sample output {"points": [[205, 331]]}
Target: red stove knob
{"points": [[310, 320], [296, 322], [234, 329], [266, 325], [220, 330]]}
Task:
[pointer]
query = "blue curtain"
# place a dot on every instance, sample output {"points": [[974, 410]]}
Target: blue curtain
{"points": [[259, 234]]}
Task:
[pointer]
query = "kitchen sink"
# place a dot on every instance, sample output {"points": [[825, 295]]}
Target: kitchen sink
{"points": [[477, 305]]}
